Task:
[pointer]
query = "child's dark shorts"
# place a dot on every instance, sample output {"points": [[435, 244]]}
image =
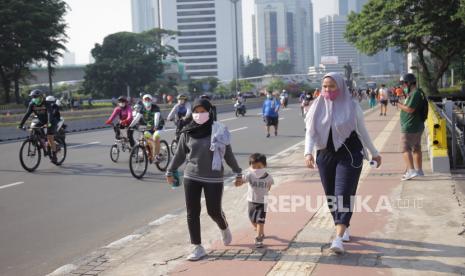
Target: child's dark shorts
{"points": [[257, 213]]}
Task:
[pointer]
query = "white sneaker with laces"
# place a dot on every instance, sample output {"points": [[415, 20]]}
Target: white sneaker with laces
{"points": [[409, 175], [337, 246], [346, 236], [226, 236], [197, 254]]}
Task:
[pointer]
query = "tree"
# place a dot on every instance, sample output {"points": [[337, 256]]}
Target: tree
{"points": [[429, 28], [283, 67], [30, 32], [253, 68], [200, 86], [276, 85], [244, 86], [125, 60]]}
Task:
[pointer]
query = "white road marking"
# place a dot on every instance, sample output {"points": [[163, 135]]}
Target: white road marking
{"points": [[282, 119], [237, 129], [82, 145], [228, 119], [11, 185], [259, 113]]}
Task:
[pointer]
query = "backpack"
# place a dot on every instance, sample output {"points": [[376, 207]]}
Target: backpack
{"points": [[423, 106]]}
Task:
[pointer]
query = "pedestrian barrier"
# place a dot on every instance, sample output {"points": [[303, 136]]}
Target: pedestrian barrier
{"points": [[437, 140]]}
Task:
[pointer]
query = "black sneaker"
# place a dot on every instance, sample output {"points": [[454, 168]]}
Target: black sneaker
{"points": [[53, 157], [268, 135]]}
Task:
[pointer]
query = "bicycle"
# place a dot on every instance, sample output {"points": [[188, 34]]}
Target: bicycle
{"points": [[139, 156], [119, 145], [30, 152]]}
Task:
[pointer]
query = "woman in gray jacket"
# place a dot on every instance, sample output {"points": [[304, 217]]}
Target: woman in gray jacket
{"points": [[194, 148]]}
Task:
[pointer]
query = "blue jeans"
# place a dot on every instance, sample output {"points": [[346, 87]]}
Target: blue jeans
{"points": [[339, 175]]}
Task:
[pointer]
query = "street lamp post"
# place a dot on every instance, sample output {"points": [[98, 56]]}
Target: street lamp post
{"points": [[236, 58]]}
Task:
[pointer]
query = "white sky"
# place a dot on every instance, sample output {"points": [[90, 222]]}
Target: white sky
{"points": [[89, 21]]}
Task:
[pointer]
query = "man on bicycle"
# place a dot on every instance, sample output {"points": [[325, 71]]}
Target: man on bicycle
{"points": [[124, 112], [154, 121], [44, 113], [180, 113]]}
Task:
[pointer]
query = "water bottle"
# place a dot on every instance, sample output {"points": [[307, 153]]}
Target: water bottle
{"points": [[177, 182]]}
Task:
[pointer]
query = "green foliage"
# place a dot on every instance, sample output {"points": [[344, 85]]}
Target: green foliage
{"points": [[283, 67], [244, 86], [31, 31], [253, 68], [276, 85], [199, 86], [127, 59], [428, 26]]}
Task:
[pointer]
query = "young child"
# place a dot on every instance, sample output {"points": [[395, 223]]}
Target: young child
{"points": [[259, 184]]}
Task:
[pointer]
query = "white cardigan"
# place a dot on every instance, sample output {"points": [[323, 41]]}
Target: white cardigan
{"points": [[361, 131]]}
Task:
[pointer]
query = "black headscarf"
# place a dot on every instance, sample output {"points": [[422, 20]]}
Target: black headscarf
{"points": [[200, 131]]}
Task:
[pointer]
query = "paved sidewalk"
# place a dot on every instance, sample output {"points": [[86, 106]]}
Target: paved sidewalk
{"points": [[418, 230]]}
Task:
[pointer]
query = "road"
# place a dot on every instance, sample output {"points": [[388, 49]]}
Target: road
{"points": [[57, 214]]}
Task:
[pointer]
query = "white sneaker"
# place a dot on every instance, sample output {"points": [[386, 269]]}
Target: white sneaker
{"points": [[197, 254], [226, 236], [420, 173], [346, 236], [409, 175], [336, 246]]}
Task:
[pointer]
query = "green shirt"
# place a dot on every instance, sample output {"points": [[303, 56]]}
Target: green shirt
{"points": [[412, 122]]}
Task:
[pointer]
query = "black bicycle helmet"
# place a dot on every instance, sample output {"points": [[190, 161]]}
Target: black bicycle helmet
{"points": [[122, 99], [206, 97], [35, 93]]}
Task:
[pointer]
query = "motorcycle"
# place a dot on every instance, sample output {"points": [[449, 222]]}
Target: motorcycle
{"points": [[239, 109]]}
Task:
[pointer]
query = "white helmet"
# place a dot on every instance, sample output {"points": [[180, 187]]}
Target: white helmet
{"points": [[50, 99], [147, 96], [137, 107]]}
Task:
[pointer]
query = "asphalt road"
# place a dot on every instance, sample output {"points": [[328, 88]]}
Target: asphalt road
{"points": [[57, 214]]}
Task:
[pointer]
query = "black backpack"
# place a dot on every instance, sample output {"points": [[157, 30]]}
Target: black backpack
{"points": [[423, 109]]}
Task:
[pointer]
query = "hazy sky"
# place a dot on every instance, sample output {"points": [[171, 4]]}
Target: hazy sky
{"points": [[89, 21]]}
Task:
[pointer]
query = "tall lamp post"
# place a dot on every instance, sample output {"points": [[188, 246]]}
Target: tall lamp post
{"points": [[236, 58]]}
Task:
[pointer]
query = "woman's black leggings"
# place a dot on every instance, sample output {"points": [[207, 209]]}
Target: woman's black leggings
{"points": [[213, 196]]}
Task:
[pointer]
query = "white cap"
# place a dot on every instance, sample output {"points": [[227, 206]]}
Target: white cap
{"points": [[50, 99], [147, 96]]}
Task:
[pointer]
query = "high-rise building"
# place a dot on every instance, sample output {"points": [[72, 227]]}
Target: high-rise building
{"points": [[143, 15], [342, 6], [317, 49], [207, 29], [283, 29], [333, 43]]}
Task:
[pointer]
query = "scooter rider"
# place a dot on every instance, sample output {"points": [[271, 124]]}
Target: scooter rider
{"points": [[240, 102]]}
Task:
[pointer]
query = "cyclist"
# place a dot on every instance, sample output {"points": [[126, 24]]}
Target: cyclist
{"points": [[213, 108], [44, 113], [124, 112], [152, 118], [180, 113]]}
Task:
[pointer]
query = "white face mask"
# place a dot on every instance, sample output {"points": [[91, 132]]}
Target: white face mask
{"points": [[122, 105], [201, 118], [258, 172]]}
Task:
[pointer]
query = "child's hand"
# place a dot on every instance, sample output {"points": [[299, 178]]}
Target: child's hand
{"points": [[238, 182]]}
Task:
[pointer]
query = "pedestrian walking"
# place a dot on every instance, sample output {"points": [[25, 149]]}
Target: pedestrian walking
{"points": [[383, 100], [270, 112], [336, 130], [260, 182], [412, 116], [203, 145], [372, 97]]}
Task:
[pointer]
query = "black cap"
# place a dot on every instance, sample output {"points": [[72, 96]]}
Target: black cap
{"points": [[409, 78]]}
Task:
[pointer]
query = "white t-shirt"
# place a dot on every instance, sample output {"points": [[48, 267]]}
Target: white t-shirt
{"points": [[383, 94], [258, 187]]}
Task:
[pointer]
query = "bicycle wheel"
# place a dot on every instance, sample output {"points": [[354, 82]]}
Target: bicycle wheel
{"points": [[61, 151], [114, 153], [174, 146], [29, 155], [138, 161], [164, 159]]}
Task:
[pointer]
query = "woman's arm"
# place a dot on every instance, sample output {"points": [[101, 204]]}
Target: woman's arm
{"points": [[363, 132], [179, 156], [231, 161]]}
